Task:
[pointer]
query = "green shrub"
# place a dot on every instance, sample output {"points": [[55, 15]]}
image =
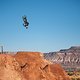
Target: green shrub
{"points": [[70, 73]]}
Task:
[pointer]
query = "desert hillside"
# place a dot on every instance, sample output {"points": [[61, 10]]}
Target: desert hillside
{"points": [[29, 66]]}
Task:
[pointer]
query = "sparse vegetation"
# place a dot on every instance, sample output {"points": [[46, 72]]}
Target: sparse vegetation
{"points": [[74, 75], [70, 73]]}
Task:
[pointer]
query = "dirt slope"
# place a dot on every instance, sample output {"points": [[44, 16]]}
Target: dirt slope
{"points": [[29, 66], [9, 68], [58, 71]]}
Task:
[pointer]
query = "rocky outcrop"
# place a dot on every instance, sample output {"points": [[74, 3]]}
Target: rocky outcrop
{"points": [[68, 58], [29, 66]]}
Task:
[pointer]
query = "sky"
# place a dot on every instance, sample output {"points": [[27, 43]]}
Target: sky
{"points": [[53, 25]]}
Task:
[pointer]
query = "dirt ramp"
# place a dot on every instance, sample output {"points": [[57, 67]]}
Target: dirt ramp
{"points": [[34, 67]]}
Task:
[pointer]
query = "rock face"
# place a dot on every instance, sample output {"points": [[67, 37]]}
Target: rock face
{"points": [[68, 58], [29, 66]]}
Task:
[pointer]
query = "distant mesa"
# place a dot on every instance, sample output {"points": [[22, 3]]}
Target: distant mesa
{"points": [[68, 58]]}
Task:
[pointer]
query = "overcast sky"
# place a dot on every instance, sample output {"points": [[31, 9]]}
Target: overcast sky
{"points": [[53, 25]]}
